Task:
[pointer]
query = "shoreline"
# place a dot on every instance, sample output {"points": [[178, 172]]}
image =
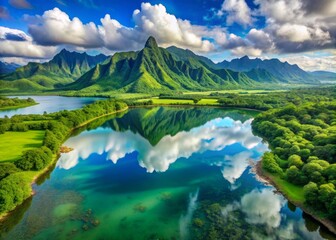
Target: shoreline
{"points": [[17, 107], [52, 164], [261, 176]]}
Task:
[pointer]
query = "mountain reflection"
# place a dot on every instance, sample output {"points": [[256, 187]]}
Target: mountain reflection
{"points": [[210, 136]]}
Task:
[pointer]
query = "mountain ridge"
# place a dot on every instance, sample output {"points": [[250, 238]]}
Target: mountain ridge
{"points": [[65, 67]]}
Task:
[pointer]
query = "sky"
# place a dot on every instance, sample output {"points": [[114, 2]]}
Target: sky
{"points": [[301, 32]]}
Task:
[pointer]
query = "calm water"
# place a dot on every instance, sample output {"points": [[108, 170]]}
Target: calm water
{"points": [[50, 104], [160, 173]]}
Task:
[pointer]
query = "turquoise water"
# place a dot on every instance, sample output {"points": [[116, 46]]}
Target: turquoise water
{"points": [[161, 173], [50, 104]]}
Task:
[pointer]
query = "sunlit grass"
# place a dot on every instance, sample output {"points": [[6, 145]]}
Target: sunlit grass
{"points": [[12, 144]]}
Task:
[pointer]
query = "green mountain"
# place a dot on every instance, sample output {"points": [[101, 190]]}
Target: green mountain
{"points": [[64, 68], [282, 71], [156, 69], [185, 54]]}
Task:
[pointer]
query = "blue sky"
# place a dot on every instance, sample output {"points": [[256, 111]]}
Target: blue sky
{"points": [[298, 31]]}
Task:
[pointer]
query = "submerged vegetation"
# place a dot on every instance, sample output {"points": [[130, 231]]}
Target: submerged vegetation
{"points": [[16, 176]]}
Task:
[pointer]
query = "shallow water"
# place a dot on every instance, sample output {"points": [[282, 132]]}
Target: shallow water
{"points": [[161, 173], [50, 104]]}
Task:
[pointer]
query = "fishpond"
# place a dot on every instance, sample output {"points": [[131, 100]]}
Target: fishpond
{"points": [[160, 173]]}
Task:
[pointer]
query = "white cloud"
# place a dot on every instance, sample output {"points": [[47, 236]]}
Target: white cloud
{"points": [[236, 11], [16, 43], [55, 27], [313, 63]]}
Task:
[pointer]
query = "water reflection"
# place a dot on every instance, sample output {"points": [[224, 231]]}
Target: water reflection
{"points": [[199, 187], [215, 135]]}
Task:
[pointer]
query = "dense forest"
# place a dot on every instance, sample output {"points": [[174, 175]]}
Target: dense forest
{"points": [[14, 188], [303, 142]]}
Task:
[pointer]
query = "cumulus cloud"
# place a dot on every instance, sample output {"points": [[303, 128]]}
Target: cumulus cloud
{"points": [[210, 136], [16, 43], [299, 26], [236, 11], [55, 27], [21, 4], [313, 63]]}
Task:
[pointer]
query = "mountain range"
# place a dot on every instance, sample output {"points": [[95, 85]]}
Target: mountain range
{"points": [[64, 68], [6, 68], [151, 69]]}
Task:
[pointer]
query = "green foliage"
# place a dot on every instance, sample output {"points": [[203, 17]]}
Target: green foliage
{"points": [[303, 134], [269, 163], [295, 160], [58, 126], [10, 103], [311, 193], [35, 159]]}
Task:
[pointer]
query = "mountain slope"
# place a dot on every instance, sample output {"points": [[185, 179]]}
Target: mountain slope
{"points": [[284, 72], [6, 68], [185, 54], [324, 75], [64, 68], [156, 69]]}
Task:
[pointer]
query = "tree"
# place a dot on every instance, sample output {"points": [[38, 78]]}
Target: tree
{"points": [[293, 175], [326, 193], [295, 160], [310, 192]]}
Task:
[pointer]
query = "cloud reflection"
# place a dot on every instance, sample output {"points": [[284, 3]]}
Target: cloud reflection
{"points": [[215, 135]]}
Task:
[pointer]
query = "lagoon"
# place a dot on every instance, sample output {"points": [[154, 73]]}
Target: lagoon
{"points": [[160, 173]]}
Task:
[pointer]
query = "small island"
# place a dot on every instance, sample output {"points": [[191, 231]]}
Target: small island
{"points": [[13, 103]]}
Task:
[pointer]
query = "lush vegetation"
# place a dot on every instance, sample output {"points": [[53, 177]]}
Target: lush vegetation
{"points": [[15, 175], [64, 68], [13, 144], [10, 103], [303, 142]]}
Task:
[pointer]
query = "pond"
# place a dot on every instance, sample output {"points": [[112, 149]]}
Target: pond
{"points": [[49, 104], [161, 173]]}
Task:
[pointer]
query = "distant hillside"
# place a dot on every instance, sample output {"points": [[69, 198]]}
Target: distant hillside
{"points": [[324, 76], [156, 69], [6, 68], [283, 71], [64, 68]]}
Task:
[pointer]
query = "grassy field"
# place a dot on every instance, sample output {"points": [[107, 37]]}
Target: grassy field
{"points": [[12, 144], [237, 91], [292, 192]]}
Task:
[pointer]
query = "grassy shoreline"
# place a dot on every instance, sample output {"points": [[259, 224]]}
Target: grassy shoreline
{"points": [[286, 192], [17, 106], [33, 176]]}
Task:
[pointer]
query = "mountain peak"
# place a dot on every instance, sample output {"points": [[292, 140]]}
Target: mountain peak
{"points": [[151, 43]]}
